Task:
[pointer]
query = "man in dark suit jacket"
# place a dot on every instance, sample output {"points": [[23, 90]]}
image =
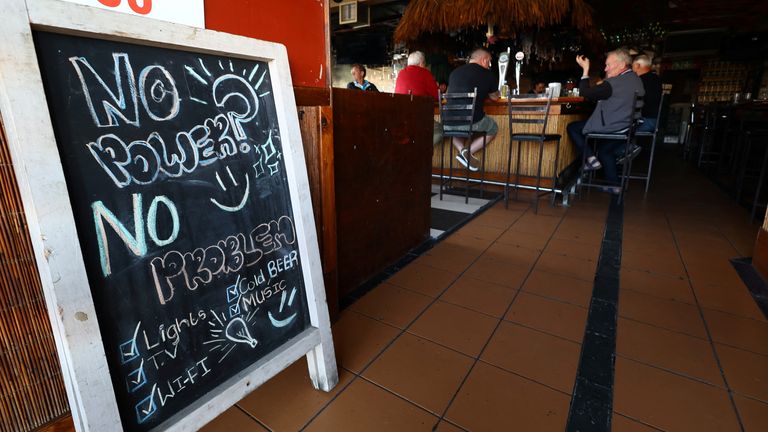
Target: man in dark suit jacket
{"points": [[652, 84], [612, 114]]}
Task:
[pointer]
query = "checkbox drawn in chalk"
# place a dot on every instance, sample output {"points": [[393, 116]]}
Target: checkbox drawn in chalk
{"points": [[137, 378]]}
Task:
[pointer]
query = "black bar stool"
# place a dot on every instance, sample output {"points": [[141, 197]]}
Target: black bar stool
{"points": [[527, 110], [628, 136], [654, 136], [457, 111]]}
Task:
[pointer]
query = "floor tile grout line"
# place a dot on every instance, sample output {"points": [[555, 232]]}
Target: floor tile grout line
{"points": [[697, 337], [662, 327], [640, 421], [607, 278], [463, 354], [527, 378], [555, 299], [477, 358], [535, 294], [253, 417], [738, 348], [458, 276], [750, 397], [500, 321], [542, 331], [563, 338], [672, 371], [402, 331], [416, 252], [727, 238], [359, 375], [731, 314], [329, 401], [394, 393], [728, 389]]}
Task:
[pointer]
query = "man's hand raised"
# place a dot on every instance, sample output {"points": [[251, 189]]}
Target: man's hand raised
{"points": [[584, 63]]}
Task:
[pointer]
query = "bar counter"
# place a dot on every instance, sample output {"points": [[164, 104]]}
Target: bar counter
{"points": [[562, 111]]}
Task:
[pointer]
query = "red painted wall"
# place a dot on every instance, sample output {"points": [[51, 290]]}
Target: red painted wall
{"points": [[297, 24]]}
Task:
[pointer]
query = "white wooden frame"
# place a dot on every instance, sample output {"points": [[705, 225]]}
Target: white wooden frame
{"points": [[24, 112]]}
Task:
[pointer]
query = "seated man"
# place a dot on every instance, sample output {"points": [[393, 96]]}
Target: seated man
{"points": [[539, 87], [358, 79], [475, 74], [612, 114], [652, 85], [416, 79]]}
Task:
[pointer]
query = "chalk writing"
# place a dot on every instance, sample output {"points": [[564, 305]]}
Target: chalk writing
{"points": [[136, 241], [191, 269], [174, 164]]}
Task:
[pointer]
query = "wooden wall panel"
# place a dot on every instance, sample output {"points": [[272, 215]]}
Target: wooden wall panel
{"points": [[32, 391], [382, 147], [316, 124]]}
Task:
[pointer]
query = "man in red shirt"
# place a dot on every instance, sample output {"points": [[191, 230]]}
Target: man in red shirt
{"points": [[416, 79]]}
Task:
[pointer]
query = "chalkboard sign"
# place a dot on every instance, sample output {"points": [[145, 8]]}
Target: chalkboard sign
{"points": [[184, 206]]}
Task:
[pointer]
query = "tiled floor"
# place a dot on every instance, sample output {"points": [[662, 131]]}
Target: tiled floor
{"points": [[484, 331], [452, 210]]}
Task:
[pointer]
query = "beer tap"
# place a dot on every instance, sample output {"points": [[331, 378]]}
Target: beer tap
{"points": [[518, 64], [503, 62]]}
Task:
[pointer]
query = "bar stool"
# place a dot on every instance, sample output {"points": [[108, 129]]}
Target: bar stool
{"points": [[527, 110], [653, 135], [457, 111], [628, 136], [709, 151], [691, 128]]}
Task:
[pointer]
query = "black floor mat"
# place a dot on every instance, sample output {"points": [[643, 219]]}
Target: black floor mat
{"points": [[444, 220]]}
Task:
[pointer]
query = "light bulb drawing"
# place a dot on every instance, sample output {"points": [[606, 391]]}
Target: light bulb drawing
{"points": [[237, 331], [228, 333]]}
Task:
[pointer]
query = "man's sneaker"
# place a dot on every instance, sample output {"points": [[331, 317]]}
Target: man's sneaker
{"points": [[592, 164], [462, 158], [613, 190], [633, 152]]}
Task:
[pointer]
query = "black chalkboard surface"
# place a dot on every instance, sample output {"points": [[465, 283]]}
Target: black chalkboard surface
{"points": [[174, 171]]}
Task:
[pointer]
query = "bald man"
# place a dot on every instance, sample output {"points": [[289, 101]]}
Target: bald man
{"points": [[475, 74], [417, 80]]}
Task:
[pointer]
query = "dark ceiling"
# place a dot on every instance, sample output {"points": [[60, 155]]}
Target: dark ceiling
{"points": [[673, 15], [741, 24], [676, 15]]}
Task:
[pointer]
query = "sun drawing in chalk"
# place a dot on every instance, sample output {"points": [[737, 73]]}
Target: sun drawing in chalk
{"points": [[235, 94]]}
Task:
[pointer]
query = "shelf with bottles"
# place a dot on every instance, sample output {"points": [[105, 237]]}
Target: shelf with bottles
{"points": [[720, 80]]}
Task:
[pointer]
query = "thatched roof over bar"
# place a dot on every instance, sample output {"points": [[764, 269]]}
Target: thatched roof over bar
{"points": [[444, 16]]}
